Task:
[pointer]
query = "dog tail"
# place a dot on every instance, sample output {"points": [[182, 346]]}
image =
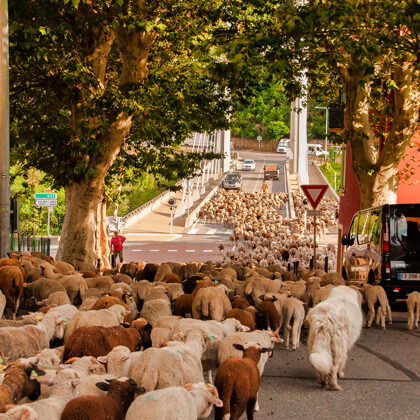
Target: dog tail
{"points": [[320, 357]]}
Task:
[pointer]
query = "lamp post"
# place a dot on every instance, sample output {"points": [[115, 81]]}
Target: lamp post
{"points": [[326, 125]]}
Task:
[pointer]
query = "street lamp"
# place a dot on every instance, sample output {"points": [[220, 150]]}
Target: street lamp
{"points": [[326, 125]]}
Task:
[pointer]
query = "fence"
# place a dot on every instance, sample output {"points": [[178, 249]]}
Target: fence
{"points": [[30, 243]]}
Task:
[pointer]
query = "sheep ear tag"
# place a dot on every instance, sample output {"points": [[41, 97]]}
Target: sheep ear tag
{"points": [[34, 375], [2, 367], [211, 338], [216, 281], [65, 320], [1, 360]]}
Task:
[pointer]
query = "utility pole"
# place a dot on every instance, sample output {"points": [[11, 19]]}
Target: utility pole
{"points": [[4, 131]]}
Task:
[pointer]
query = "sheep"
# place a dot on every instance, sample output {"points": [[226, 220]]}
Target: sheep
{"points": [[99, 341], [84, 366], [32, 273], [110, 317], [155, 309], [118, 360], [373, 295], [239, 301], [129, 269], [63, 389], [413, 305], [42, 288], [263, 338], [75, 286], [149, 271], [112, 406], [257, 286], [237, 381], [187, 403], [2, 303], [267, 317], [122, 278], [47, 359], [11, 284], [19, 412], [175, 365], [19, 381], [321, 294], [103, 283], [211, 303], [56, 298], [293, 309], [25, 341], [243, 316], [183, 306]]}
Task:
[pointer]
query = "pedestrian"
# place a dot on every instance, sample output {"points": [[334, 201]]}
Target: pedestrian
{"points": [[264, 186], [117, 247]]}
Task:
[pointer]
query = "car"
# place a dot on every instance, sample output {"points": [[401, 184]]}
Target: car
{"points": [[383, 247], [233, 181], [248, 165], [271, 171], [316, 150], [283, 146]]}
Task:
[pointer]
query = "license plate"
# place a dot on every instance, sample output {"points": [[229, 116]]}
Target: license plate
{"points": [[408, 276]]}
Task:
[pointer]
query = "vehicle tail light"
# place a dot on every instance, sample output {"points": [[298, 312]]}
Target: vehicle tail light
{"points": [[397, 289], [386, 241]]}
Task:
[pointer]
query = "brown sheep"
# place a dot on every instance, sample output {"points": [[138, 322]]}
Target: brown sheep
{"points": [[243, 316], [99, 341], [183, 306], [149, 271], [268, 316], [129, 269], [172, 278], [239, 302], [112, 406], [101, 282], [11, 284], [15, 263], [203, 284], [122, 278], [88, 274], [238, 381], [109, 272], [17, 384], [108, 301]]}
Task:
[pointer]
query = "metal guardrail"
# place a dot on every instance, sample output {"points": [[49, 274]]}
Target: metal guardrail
{"points": [[146, 205], [30, 243]]}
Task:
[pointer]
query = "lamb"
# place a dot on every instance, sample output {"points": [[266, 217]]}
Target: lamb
{"points": [[112, 406], [238, 381], [413, 305], [187, 403], [183, 305], [211, 303], [63, 389], [19, 382], [293, 309], [373, 295], [99, 341], [11, 284], [175, 365], [155, 309], [110, 317]]}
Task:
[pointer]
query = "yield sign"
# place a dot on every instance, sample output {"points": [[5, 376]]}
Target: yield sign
{"points": [[314, 193]]}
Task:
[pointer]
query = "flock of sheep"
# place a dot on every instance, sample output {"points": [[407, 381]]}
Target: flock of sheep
{"points": [[140, 342], [261, 235]]}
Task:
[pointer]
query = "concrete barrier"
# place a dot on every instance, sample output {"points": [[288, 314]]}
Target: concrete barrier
{"points": [[291, 204], [326, 181]]}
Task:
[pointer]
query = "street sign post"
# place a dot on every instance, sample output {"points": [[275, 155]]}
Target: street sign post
{"points": [[259, 138], [314, 194]]}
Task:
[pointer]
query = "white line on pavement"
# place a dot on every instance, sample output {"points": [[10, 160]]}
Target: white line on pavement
{"points": [[207, 250], [193, 231], [153, 250], [190, 250], [172, 250], [259, 174], [211, 231]]}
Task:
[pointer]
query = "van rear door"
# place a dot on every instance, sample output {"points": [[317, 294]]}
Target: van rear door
{"points": [[405, 246]]}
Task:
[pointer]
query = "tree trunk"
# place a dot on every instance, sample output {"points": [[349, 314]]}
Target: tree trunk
{"points": [[78, 235], [102, 240]]}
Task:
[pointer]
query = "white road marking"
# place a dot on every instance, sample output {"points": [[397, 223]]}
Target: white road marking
{"points": [[190, 250], [175, 237], [153, 250], [207, 250], [193, 231], [211, 231], [136, 250], [259, 174], [172, 250]]}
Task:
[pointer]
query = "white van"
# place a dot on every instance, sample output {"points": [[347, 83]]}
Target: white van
{"points": [[316, 150], [283, 146]]}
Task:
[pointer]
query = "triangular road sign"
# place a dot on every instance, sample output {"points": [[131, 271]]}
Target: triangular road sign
{"points": [[314, 193]]}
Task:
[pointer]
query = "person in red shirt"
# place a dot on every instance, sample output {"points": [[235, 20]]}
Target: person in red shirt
{"points": [[117, 246]]}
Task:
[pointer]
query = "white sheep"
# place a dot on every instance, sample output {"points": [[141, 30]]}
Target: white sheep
{"points": [[187, 403], [293, 309], [211, 303], [413, 306], [110, 317], [155, 309], [175, 365]]}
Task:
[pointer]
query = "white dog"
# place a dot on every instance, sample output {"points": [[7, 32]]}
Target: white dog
{"points": [[334, 326]]}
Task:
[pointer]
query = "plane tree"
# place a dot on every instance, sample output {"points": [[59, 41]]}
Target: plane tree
{"points": [[88, 77]]}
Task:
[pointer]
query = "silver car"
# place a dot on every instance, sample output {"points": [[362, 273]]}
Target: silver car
{"points": [[233, 181]]}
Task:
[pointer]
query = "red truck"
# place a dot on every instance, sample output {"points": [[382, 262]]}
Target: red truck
{"points": [[271, 171]]}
